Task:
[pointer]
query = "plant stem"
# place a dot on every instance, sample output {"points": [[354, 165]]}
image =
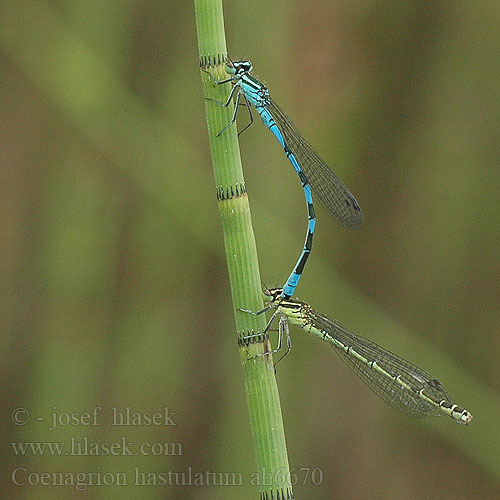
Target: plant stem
{"points": [[273, 476]]}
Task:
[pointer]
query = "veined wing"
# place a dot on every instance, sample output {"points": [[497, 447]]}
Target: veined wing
{"points": [[327, 187], [383, 384]]}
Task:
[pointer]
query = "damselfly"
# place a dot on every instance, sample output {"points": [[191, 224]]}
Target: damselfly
{"points": [[398, 382], [311, 169]]}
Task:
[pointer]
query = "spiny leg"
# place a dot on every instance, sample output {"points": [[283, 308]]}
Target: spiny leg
{"points": [[231, 94], [233, 119], [225, 104], [249, 107], [283, 327], [218, 82]]}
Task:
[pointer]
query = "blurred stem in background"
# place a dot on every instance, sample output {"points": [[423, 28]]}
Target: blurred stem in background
{"points": [[241, 254]]}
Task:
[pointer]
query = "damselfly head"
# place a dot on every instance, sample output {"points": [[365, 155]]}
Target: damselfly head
{"points": [[271, 294], [238, 67]]}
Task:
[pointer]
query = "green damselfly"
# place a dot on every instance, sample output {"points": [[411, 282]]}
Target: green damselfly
{"points": [[398, 382]]}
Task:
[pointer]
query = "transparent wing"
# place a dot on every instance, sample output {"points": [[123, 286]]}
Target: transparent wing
{"points": [[326, 186], [404, 400]]}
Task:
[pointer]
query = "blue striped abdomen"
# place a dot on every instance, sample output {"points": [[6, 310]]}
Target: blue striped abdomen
{"points": [[293, 279]]}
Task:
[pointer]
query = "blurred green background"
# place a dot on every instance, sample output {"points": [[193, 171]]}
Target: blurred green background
{"points": [[115, 290]]}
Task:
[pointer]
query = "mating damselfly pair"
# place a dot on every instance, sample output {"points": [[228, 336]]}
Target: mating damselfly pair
{"points": [[400, 383]]}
